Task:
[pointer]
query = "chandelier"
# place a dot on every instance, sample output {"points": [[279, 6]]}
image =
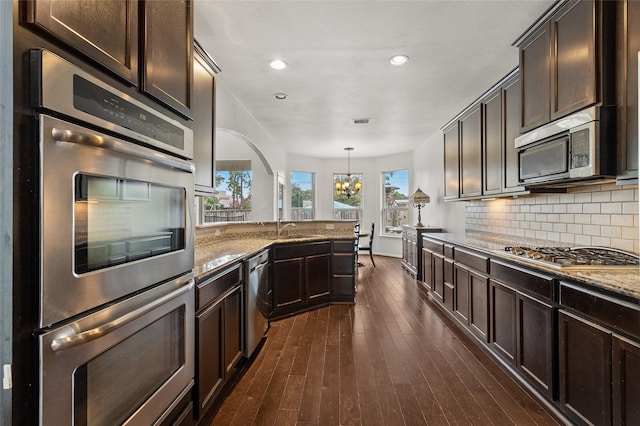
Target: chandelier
{"points": [[345, 187]]}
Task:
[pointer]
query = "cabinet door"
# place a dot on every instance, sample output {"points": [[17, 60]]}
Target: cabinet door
{"points": [[105, 31], [204, 101], [233, 325], [427, 269], [626, 386], [451, 163], [492, 144], [535, 78], [479, 304], [461, 293], [288, 281], [318, 273], [511, 108], [471, 153], [627, 48], [574, 71], [168, 46], [503, 321], [585, 370], [535, 342], [210, 364], [448, 293], [438, 277]]}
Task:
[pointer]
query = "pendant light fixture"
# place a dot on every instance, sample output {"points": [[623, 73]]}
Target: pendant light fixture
{"points": [[345, 187]]}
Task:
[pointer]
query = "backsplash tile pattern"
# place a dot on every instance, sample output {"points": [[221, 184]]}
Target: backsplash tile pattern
{"points": [[598, 215]]}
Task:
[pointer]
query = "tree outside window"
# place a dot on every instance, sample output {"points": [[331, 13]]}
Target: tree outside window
{"points": [[232, 199], [347, 206], [395, 209], [302, 187]]}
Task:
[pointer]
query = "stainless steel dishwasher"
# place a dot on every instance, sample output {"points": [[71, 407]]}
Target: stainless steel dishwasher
{"points": [[256, 301]]}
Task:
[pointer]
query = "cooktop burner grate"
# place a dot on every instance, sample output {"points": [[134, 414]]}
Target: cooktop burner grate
{"points": [[576, 257]]}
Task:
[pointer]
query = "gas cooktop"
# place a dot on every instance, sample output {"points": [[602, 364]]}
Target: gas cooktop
{"points": [[576, 258]]}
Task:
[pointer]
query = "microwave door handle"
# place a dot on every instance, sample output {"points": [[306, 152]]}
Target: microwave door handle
{"points": [[87, 336], [62, 135]]}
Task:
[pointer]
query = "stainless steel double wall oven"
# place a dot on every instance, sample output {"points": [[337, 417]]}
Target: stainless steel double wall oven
{"points": [[116, 252]]}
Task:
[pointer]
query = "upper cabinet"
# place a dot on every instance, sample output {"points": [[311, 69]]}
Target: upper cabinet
{"points": [[168, 51], [204, 106], [105, 31], [627, 48], [566, 61], [148, 44], [480, 157]]}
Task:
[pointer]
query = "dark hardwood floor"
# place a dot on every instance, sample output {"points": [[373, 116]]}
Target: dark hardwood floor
{"points": [[391, 359]]}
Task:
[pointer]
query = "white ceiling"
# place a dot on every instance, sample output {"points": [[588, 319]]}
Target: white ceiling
{"points": [[338, 53]]}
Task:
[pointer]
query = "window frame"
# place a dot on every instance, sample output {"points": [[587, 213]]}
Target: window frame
{"points": [[384, 208], [360, 208], [294, 215]]}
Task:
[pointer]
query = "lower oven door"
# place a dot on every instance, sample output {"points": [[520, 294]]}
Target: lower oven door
{"points": [[125, 364]]}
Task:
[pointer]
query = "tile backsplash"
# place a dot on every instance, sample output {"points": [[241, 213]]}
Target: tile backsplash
{"points": [[598, 215]]}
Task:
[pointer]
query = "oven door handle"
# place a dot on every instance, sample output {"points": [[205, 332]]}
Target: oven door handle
{"points": [[98, 332], [62, 135]]}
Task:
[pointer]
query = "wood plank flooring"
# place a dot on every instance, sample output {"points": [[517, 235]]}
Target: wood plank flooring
{"points": [[391, 359]]}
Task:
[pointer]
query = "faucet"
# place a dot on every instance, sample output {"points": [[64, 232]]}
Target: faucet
{"points": [[287, 225]]}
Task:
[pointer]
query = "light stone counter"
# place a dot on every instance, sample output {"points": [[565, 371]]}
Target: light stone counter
{"points": [[625, 282]]}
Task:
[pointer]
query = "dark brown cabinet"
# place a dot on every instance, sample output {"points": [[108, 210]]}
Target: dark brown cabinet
{"points": [[301, 276], [148, 44], [105, 31], [566, 61], [438, 277], [493, 144], [451, 162], [503, 321], [511, 121], [471, 153], [343, 279], [471, 291], [627, 48], [167, 45], [219, 325], [585, 370], [204, 125], [626, 386], [412, 249]]}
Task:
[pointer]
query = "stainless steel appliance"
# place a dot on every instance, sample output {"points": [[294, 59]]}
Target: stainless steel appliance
{"points": [[576, 258], [116, 312], [572, 150], [256, 301]]}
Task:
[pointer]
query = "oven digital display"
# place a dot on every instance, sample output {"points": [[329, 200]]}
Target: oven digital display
{"points": [[101, 103]]}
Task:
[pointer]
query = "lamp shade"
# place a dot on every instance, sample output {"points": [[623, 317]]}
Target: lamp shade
{"points": [[419, 198]]}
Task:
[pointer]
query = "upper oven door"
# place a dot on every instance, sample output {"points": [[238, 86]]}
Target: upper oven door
{"points": [[545, 161], [115, 218]]}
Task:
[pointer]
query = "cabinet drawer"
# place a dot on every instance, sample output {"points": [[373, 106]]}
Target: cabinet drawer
{"points": [[343, 246], [615, 314], [343, 264], [214, 287], [472, 260], [433, 246], [529, 282], [289, 251]]}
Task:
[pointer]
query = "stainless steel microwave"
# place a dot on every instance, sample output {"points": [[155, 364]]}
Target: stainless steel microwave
{"points": [[573, 150]]}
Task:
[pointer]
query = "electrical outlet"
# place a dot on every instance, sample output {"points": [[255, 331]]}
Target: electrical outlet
{"points": [[330, 226], [217, 233]]}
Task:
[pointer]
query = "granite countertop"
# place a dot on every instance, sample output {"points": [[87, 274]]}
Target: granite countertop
{"points": [[214, 256], [622, 281]]}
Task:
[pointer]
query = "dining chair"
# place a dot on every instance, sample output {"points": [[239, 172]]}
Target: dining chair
{"points": [[356, 233], [369, 247]]}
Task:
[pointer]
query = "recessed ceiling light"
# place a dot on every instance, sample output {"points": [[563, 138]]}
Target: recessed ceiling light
{"points": [[280, 96], [398, 59], [278, 64]]}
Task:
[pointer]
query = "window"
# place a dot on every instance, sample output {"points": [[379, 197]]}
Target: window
{"points": [[347, 206], [302, 187], [232, 199], [395, 207]]}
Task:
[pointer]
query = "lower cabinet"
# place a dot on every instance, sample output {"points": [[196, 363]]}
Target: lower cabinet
{"points": [[585, 370], [343, 277], [219, 325], [626, 381], [301, 277]]}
